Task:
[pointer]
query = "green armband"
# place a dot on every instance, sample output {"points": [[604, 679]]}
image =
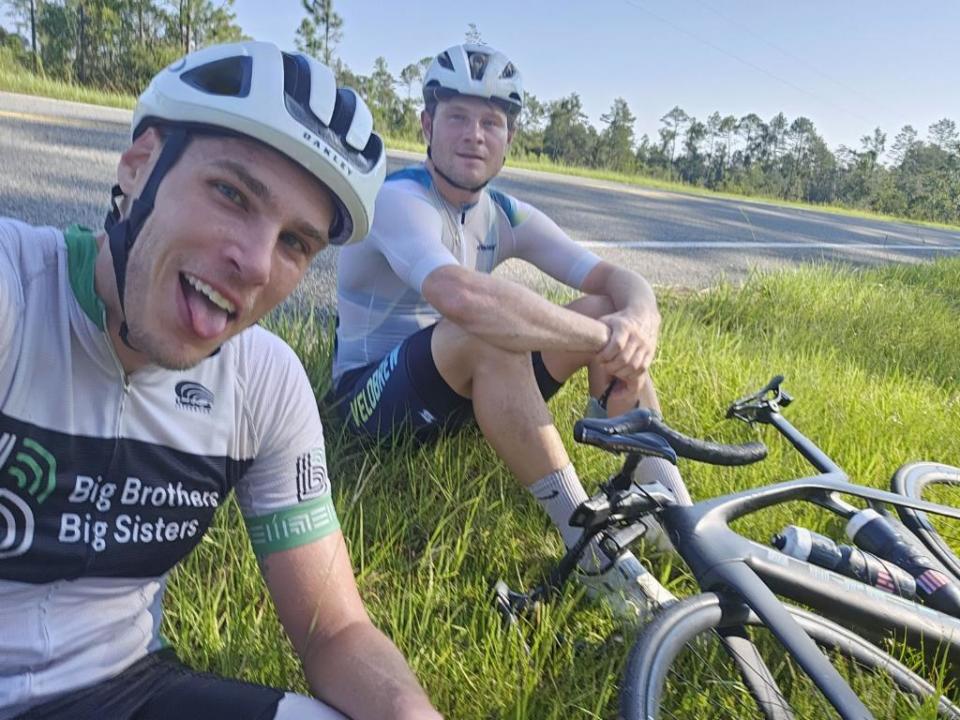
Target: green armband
{"points": [[293, 526]]}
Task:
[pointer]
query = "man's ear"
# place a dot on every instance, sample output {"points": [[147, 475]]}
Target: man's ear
{"points": [[137, 161], [426, 125], [511, 133]]}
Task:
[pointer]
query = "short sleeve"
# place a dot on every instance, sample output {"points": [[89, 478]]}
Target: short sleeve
{"points": [[541, 242], [11, 293], [408, 232], [285, 496]]}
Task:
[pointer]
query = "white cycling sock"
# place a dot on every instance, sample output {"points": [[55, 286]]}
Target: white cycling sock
{"points": [[559, 493], [654, 469]]}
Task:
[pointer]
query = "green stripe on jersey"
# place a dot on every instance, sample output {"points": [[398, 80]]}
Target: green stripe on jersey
{"points": [[82, 252], [292, 527]]}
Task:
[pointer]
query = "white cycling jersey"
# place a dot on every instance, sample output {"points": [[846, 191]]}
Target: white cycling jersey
{"points": [[107, 480], [415, 231]]}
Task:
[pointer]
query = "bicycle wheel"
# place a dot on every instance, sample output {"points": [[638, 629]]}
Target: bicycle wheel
{"points": [[680, 668], [935, 483]]}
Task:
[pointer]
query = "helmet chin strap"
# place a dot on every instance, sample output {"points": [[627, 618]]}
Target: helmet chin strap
{"points": [[453, 182], [123, 233]]}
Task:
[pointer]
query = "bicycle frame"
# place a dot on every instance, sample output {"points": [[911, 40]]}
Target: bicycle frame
{"points": [[748, 574], [703, 538], [723, 560]]}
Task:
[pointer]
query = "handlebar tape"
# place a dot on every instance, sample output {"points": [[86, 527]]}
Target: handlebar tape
{"points": [[614, 435]]}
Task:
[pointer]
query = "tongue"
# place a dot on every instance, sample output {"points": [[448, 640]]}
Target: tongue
{"points": [[207, 319]]}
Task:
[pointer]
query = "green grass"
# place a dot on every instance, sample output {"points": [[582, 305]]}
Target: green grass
{"points": [[869, 355], [13, 78]]}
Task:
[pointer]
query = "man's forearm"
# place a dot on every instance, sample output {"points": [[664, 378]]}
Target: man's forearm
{"points": [[362, 673], [509, 316]]}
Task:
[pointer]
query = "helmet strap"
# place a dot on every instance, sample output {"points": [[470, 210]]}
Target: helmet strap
{"points": [[123, 233]]}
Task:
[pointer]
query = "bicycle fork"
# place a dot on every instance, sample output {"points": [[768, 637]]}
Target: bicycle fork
{"points": [[734, 575]]}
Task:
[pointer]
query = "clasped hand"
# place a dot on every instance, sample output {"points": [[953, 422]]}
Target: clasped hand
{"points": [[631, 347]]}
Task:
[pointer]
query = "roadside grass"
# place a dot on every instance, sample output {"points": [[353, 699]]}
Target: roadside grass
{"points": [[15, 79], [546, 165], [870, 357]]}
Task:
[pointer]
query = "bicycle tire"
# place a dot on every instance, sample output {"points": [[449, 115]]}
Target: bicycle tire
{"points": [[703, 616], [912, 480]]}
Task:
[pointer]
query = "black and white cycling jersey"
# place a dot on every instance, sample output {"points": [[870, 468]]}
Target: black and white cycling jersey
{"points": [[108, 480]]}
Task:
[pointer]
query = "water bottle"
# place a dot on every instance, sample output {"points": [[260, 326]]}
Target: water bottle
{"points": [[853, 562], [885, 537]]}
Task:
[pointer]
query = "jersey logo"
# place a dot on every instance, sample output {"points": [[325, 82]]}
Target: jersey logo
{"points": [[486, 248], [312, 475], [34, 471], [194, 396]]}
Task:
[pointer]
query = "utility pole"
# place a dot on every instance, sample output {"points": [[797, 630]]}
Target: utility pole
{"points": [[81, 74], [33, 33]]}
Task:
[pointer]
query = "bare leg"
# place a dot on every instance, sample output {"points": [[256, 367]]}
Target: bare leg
{"points": [[507, 404], [515, 421], [561, 365]]}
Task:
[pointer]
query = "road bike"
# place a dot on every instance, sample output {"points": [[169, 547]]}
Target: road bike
{"points": [[846, 649]]}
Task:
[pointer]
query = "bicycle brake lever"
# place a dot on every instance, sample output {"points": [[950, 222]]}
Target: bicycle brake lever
{"points": [[769, 399]]}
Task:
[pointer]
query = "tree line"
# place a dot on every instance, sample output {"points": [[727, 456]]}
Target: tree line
{"points": [[911, 176], [115, 45], [120, 44]]}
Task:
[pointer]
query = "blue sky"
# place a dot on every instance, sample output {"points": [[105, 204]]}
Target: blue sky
{"points": [[848, 65]]}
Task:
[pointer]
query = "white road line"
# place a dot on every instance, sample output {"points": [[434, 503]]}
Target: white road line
{"points": [[727, 245], [749, 224]]}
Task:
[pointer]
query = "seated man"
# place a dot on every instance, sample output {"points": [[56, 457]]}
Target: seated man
{"points": [[136, 392], [429, 339]]}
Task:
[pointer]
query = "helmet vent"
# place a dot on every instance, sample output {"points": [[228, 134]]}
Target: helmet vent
{"points": [[296, 94], [296, 78], [444, 60], [228, 77], [343, 111], [509, 71], [478, 64]]}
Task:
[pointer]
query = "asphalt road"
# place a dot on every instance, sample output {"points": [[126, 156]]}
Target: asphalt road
{"points": [[58, 162]]}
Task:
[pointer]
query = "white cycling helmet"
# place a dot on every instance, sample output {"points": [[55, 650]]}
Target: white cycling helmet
{"points": [[476, 70], [289, 102]]}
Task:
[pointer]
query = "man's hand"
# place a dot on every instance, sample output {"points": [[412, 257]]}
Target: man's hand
{"points": [[630, 350]]}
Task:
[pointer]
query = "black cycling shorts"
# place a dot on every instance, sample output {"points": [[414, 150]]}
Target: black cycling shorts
{"points": [[160, 687], [405, 392]]}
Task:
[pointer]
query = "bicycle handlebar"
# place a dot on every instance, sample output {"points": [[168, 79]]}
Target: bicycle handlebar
{"points": [[615, 435]]}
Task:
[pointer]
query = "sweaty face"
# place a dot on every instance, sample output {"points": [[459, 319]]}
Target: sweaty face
{"points": [[468, 139], [233, 230]]}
